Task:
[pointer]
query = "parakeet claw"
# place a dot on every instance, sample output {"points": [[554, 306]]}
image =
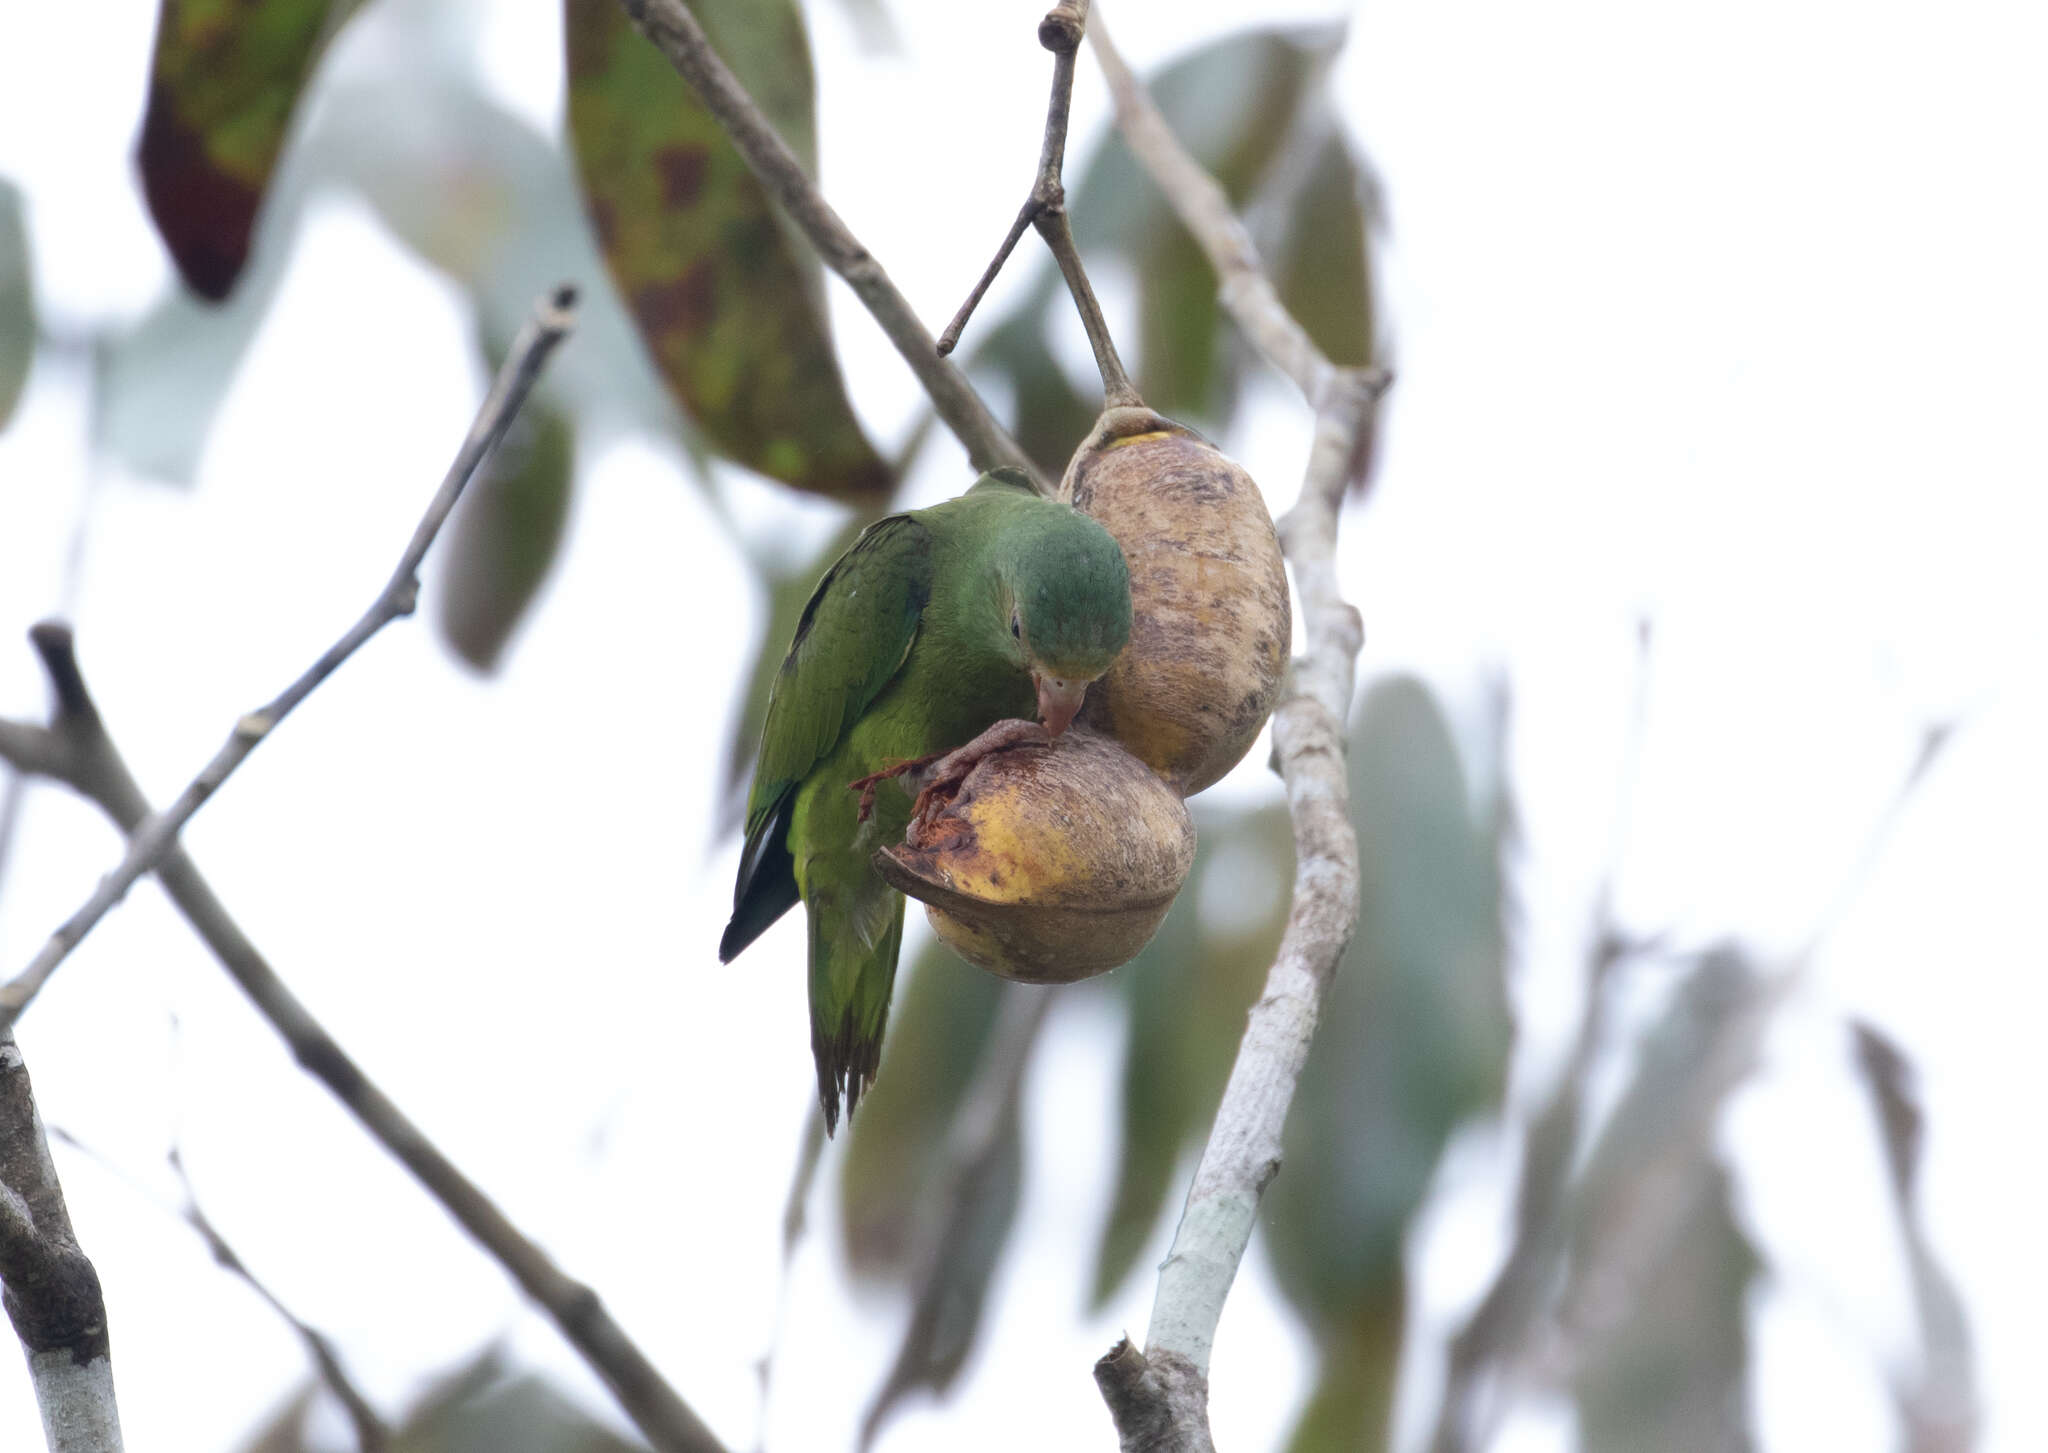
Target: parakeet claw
{"points": [[866, 786], [940, 781]]}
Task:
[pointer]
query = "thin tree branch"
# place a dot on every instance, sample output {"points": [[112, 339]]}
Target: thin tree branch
{"points": [[372, 1436], [152, 839], [77, 750], [1159, 1398], [52, 1292], [1046, 209], [675, 32], [87, 760]]}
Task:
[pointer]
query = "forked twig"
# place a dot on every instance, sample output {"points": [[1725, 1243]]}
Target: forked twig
{"points": [[149, 841], [1046, 209]]}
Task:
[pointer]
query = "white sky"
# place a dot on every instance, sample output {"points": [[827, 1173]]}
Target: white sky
{"points": [[1733, 316]]}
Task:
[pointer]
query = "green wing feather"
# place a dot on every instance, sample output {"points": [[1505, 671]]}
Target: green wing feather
{"points": [[853, 636]]}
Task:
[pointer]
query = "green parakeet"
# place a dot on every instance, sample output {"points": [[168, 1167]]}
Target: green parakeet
{"points": [[932, 627]]}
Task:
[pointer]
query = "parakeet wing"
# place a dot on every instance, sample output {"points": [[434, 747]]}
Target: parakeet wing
{"points": [[852, 637]]}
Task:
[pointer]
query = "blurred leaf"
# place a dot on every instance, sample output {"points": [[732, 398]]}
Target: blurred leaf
{"points": [[917, 1207], [1322, 269], [226, 78], [161, 382], [1353, 1392], [1188, 993], [1938, 1400], [491, 202], [964, 1211], [483, 1408], [937, 1031], [1414, 1039], [1049, 415], [469, 186], [730, 307], [506, 534], [284, 1431], [789, 589], [17, 302], [873, 26], [1676, 1372]]}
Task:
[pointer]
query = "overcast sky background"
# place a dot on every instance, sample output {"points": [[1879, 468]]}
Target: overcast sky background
{"points": [[1731, 317]]}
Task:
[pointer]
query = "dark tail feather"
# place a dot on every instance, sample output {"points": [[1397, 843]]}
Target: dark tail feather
{"points": [[767, 882]]}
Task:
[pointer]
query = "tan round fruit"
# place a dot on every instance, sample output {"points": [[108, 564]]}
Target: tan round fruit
{"points": [[1211, 623], [1049, 864]]}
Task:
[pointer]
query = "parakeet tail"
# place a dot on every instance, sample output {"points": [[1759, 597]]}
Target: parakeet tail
{"points": [[850, 988], [767, 882]]}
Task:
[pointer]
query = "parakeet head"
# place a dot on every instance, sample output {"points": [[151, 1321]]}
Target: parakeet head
{"points": [[1068, 593]]}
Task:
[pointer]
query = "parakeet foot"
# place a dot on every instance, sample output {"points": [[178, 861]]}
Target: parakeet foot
{"points": [[866, 786], [938, 782]]}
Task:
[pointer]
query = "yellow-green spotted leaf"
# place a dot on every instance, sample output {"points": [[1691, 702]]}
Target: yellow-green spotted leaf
{"points": [[730, 308], [225, 80]]}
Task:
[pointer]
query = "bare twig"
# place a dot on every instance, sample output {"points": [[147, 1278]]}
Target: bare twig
{"points": [[372, 1435], [52, 1292], [78, 752], [151, 839], [1046, 209], [1159, 1397], [676, 33], [974, 1143], [1527, 1278]]}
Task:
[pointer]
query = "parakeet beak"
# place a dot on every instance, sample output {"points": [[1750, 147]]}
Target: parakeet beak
{"points": [[1058, 700]]}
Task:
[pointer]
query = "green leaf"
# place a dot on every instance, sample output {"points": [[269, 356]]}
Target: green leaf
{"points": [[506, 534], [729, 306], [17, 302], [1049, 415], [225, 80], [1414, 1039], [1322, 270]]}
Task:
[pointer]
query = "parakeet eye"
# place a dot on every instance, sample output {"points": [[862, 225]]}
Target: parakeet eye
{"points": [[1016, 627]]}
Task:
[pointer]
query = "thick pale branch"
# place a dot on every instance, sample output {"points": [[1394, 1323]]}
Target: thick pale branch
{"points": [[151, 839], [676, 33], [1163, 1403], [52, 1292]]}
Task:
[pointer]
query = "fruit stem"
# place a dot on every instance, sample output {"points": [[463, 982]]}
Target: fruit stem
{"points": [[1046, 210]]}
